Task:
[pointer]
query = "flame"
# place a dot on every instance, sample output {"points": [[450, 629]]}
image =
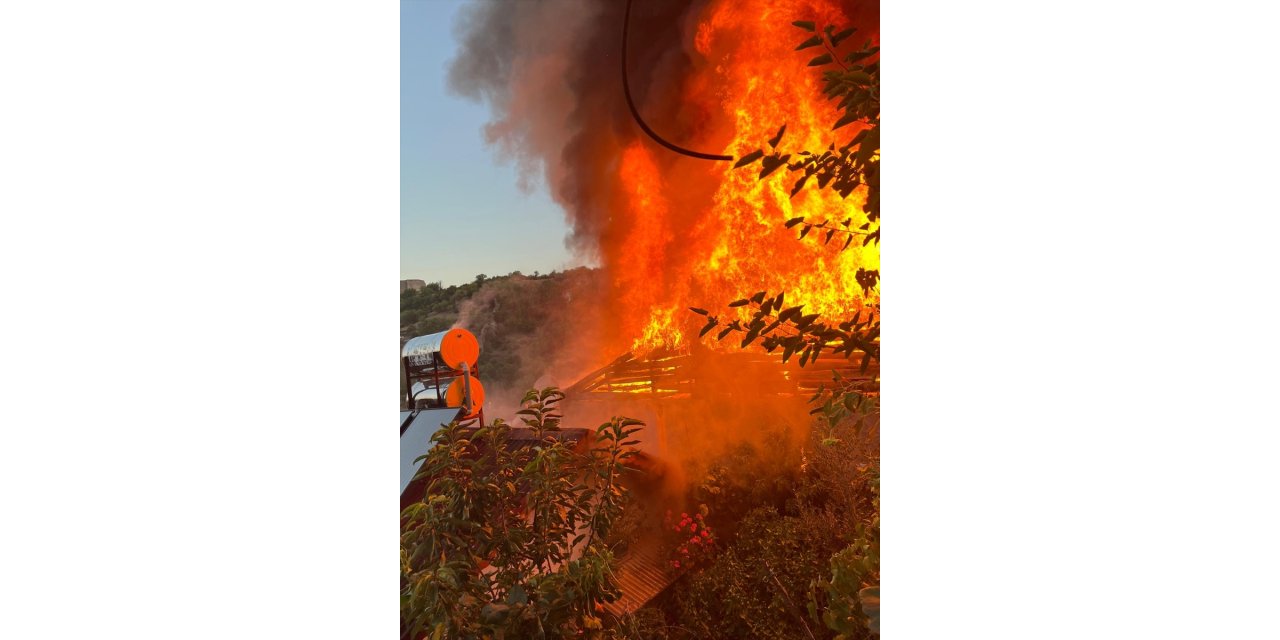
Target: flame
{"points": [[706, 234]]}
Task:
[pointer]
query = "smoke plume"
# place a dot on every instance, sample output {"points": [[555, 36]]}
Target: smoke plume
{"points": [[659, 224]]}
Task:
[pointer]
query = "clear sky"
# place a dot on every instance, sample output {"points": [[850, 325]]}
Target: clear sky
{"points": [[461, 213]]}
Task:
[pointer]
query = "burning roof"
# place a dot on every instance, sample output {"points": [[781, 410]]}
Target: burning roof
{"points": [[669, 231]]}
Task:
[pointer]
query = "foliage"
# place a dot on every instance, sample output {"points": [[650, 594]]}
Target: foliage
{"points": [[507, 542], [853, 80], [743, 479], [756, 587], [538, 410], [840, 492], [771, 575], [434, 307], [852, 593], [519, 319], [793, 331], [824, 543], [845, 400], [647, 623]]}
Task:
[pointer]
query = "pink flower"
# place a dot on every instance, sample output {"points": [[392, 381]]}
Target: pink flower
{"points": [[706, 533], [676, 564], [695, 527]]}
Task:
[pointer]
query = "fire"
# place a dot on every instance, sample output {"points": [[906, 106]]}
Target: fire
{"points": [[644, 249], [704, 234]]}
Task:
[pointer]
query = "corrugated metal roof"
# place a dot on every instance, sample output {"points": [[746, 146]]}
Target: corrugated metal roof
{"points": [[642, 575]]}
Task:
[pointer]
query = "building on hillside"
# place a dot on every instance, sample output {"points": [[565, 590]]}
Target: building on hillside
{"points": [[406, 285]]}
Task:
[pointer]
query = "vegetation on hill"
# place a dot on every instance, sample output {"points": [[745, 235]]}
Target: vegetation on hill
{"points": [[519, 320]]}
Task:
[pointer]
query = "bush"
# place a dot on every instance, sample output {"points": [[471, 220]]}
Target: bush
{"points": [[509, 543], [757, 588], [802, 562]]}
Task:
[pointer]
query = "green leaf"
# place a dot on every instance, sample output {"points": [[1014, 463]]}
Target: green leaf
{"points": [[820, 60], [773, 142], [749, 158], [739, 303], [858, 55], [770, 165], [848, 117], [811, 42], [701, 312], [807, 25], [836, 38], [794, 221], [799, 185], [790, 312], [709, 326], [851, 402], [869, 145]]}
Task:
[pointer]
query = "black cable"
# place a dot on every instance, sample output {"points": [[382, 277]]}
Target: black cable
{"points": [[626, 88]]}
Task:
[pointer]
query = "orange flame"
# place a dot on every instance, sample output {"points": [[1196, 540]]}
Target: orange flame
{"points": [[706, 234]]}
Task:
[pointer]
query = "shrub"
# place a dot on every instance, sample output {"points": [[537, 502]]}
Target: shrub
{"points": [[509, 543]]}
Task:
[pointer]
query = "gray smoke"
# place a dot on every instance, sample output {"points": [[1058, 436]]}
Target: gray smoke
{"points": [[550, 73]]}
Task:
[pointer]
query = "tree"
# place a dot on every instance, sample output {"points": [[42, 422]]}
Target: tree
{"points": [[851, 596], [508, 542], [857, 163], [854, 81]]}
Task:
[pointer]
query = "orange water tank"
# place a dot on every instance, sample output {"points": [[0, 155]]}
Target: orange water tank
{"points": [[449, 348]]}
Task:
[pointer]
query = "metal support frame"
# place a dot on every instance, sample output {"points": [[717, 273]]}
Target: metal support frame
{"points": [[467, 373]]}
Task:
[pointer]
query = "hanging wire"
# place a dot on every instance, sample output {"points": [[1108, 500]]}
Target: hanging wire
{"points": [[635, 113]]}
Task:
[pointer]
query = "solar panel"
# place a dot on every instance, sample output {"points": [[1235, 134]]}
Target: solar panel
{"points": [[416, 440]]}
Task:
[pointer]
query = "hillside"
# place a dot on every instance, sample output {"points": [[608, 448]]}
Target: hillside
{"points": [[521, 322]]}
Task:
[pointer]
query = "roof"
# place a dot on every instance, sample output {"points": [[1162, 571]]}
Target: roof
{"points": [[641, 575], [702, 372]]}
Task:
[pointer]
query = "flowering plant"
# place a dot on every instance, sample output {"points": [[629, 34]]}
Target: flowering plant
{"points": [[693, 540]]}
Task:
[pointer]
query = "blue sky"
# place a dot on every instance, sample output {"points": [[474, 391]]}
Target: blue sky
{"points": [[461, 213]]}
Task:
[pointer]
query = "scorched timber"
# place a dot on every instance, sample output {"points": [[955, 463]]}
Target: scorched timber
{"points": [[679, 374]]}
